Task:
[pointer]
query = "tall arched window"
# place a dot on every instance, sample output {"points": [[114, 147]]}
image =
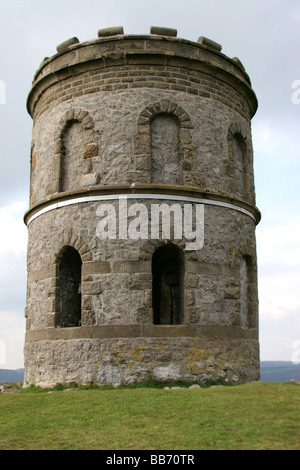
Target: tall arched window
{"points": [[239, 149], [245, 267], [71, 156], [74, 142], [168, 285], [165, 153], [68, 312]]}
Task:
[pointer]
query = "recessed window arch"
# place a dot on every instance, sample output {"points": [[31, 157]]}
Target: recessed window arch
{"points": [[165, 149], [168, 285], [239, 154], [245, 286], [68, 290], [74, 140], [239, 161], [71, 155], [152, 142]]}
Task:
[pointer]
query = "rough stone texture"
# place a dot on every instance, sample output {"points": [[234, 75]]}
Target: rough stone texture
{"points": [[124, 149], [109, 118], [122, 360], [117, 279]]}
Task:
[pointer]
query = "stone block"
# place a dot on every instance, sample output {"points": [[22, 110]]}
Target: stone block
{"points": [[190, 297], [138, 177], [238, 62], [209, 43], [91, 267], [90, 150], [142, 163], [144, 315], [166, 373], [90, 179], [91, 288], [162, 31], [142, 144], [131, 267], [231, 293], [66, 44], [106, 32], [185, 136]]}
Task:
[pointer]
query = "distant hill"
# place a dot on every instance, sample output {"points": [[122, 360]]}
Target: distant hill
{"points": [[8, 375], [279, 371], [270, 371]]}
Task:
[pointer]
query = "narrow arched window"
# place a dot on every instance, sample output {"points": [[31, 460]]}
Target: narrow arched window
{"points": [[168, 285], [239, 150], [71, 156], [245, 267], [68, 289], [165, 158]]}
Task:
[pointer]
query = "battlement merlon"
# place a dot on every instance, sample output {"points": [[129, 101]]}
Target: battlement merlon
{"points": [[74, 58]]}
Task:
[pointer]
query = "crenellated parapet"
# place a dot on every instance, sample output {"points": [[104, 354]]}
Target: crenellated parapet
{"points": [[161, 48]]}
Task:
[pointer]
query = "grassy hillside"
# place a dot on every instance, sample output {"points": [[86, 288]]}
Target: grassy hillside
{"points": [[252, 416]]}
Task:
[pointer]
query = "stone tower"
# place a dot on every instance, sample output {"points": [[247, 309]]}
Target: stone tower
{"points": [[141, 250]]}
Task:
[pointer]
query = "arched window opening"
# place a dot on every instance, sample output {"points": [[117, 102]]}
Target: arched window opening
{"points": [[168, 285], [71, 155], [245, 267], [69, 289], [165, 153], [239, 150]]}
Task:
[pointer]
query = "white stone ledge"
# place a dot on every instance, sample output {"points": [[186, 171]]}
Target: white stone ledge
{"points": [[140, 196]]}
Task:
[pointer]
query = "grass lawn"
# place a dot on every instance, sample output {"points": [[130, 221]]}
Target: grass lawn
{"points": [[262, 415]]}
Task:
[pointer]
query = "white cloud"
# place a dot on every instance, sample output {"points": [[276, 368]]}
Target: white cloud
{"points": [[279, 280], [278, 245], [12, 336], [279, 268], [13, 233], [277, 140], [13, 244], [278, 335]]}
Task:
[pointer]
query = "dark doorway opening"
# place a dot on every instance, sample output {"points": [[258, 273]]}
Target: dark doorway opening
{"points": [[168, 285], [69, 289]]}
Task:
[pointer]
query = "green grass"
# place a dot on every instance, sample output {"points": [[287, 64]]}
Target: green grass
{"points": [[252, 416]]}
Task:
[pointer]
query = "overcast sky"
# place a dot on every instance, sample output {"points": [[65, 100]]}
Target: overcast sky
{"points": [[264, 34]]}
